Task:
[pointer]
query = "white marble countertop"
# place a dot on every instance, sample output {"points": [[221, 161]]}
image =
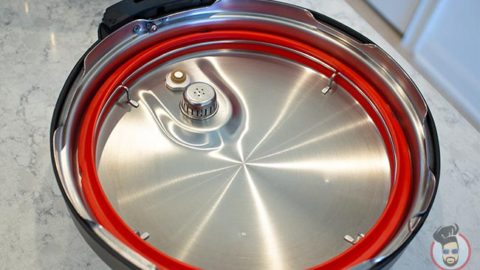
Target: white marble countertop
{"points": [[40, 41]]}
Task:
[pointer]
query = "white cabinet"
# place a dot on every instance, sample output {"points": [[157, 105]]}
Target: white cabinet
{"points": [[443, 38], [397, 13], [448, 50]]}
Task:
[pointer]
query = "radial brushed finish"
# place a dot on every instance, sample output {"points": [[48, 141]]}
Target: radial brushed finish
{"points": [[274, 180]]}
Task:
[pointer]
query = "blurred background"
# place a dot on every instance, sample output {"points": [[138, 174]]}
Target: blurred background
{"points": [[441, 38]]}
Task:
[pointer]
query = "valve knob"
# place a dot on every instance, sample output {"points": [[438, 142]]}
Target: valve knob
{"points": [[199, 101]]}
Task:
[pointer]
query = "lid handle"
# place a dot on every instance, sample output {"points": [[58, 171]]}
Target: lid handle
{"points": [[126, 11]]}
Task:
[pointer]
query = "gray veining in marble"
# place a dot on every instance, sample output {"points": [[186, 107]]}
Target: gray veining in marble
{"points": [[40, 41]]}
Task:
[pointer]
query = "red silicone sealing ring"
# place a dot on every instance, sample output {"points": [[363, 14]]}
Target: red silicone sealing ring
{"points": [[374, 241]]}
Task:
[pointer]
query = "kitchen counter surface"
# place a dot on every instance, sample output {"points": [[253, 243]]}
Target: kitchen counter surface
{"points": [[40, 41]]}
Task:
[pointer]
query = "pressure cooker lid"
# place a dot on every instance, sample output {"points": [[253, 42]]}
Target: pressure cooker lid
{"points": [[275, 179], [246, 141]]}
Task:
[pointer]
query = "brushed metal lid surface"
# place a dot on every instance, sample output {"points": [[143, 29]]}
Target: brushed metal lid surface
{"points": [[274, 180]]}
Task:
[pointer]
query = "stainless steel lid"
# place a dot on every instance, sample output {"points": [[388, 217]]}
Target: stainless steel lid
{"points": [[278, 185], [245, 135]]}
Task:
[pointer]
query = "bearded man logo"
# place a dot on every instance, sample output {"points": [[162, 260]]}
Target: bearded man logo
{"points": [[451, 249], [447, 237]]}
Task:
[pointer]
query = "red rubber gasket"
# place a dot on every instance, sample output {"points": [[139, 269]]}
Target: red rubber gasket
{"points": [[374, 241]]}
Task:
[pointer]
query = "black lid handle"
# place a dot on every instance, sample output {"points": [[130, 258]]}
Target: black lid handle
{"points": [[126, 11]]}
